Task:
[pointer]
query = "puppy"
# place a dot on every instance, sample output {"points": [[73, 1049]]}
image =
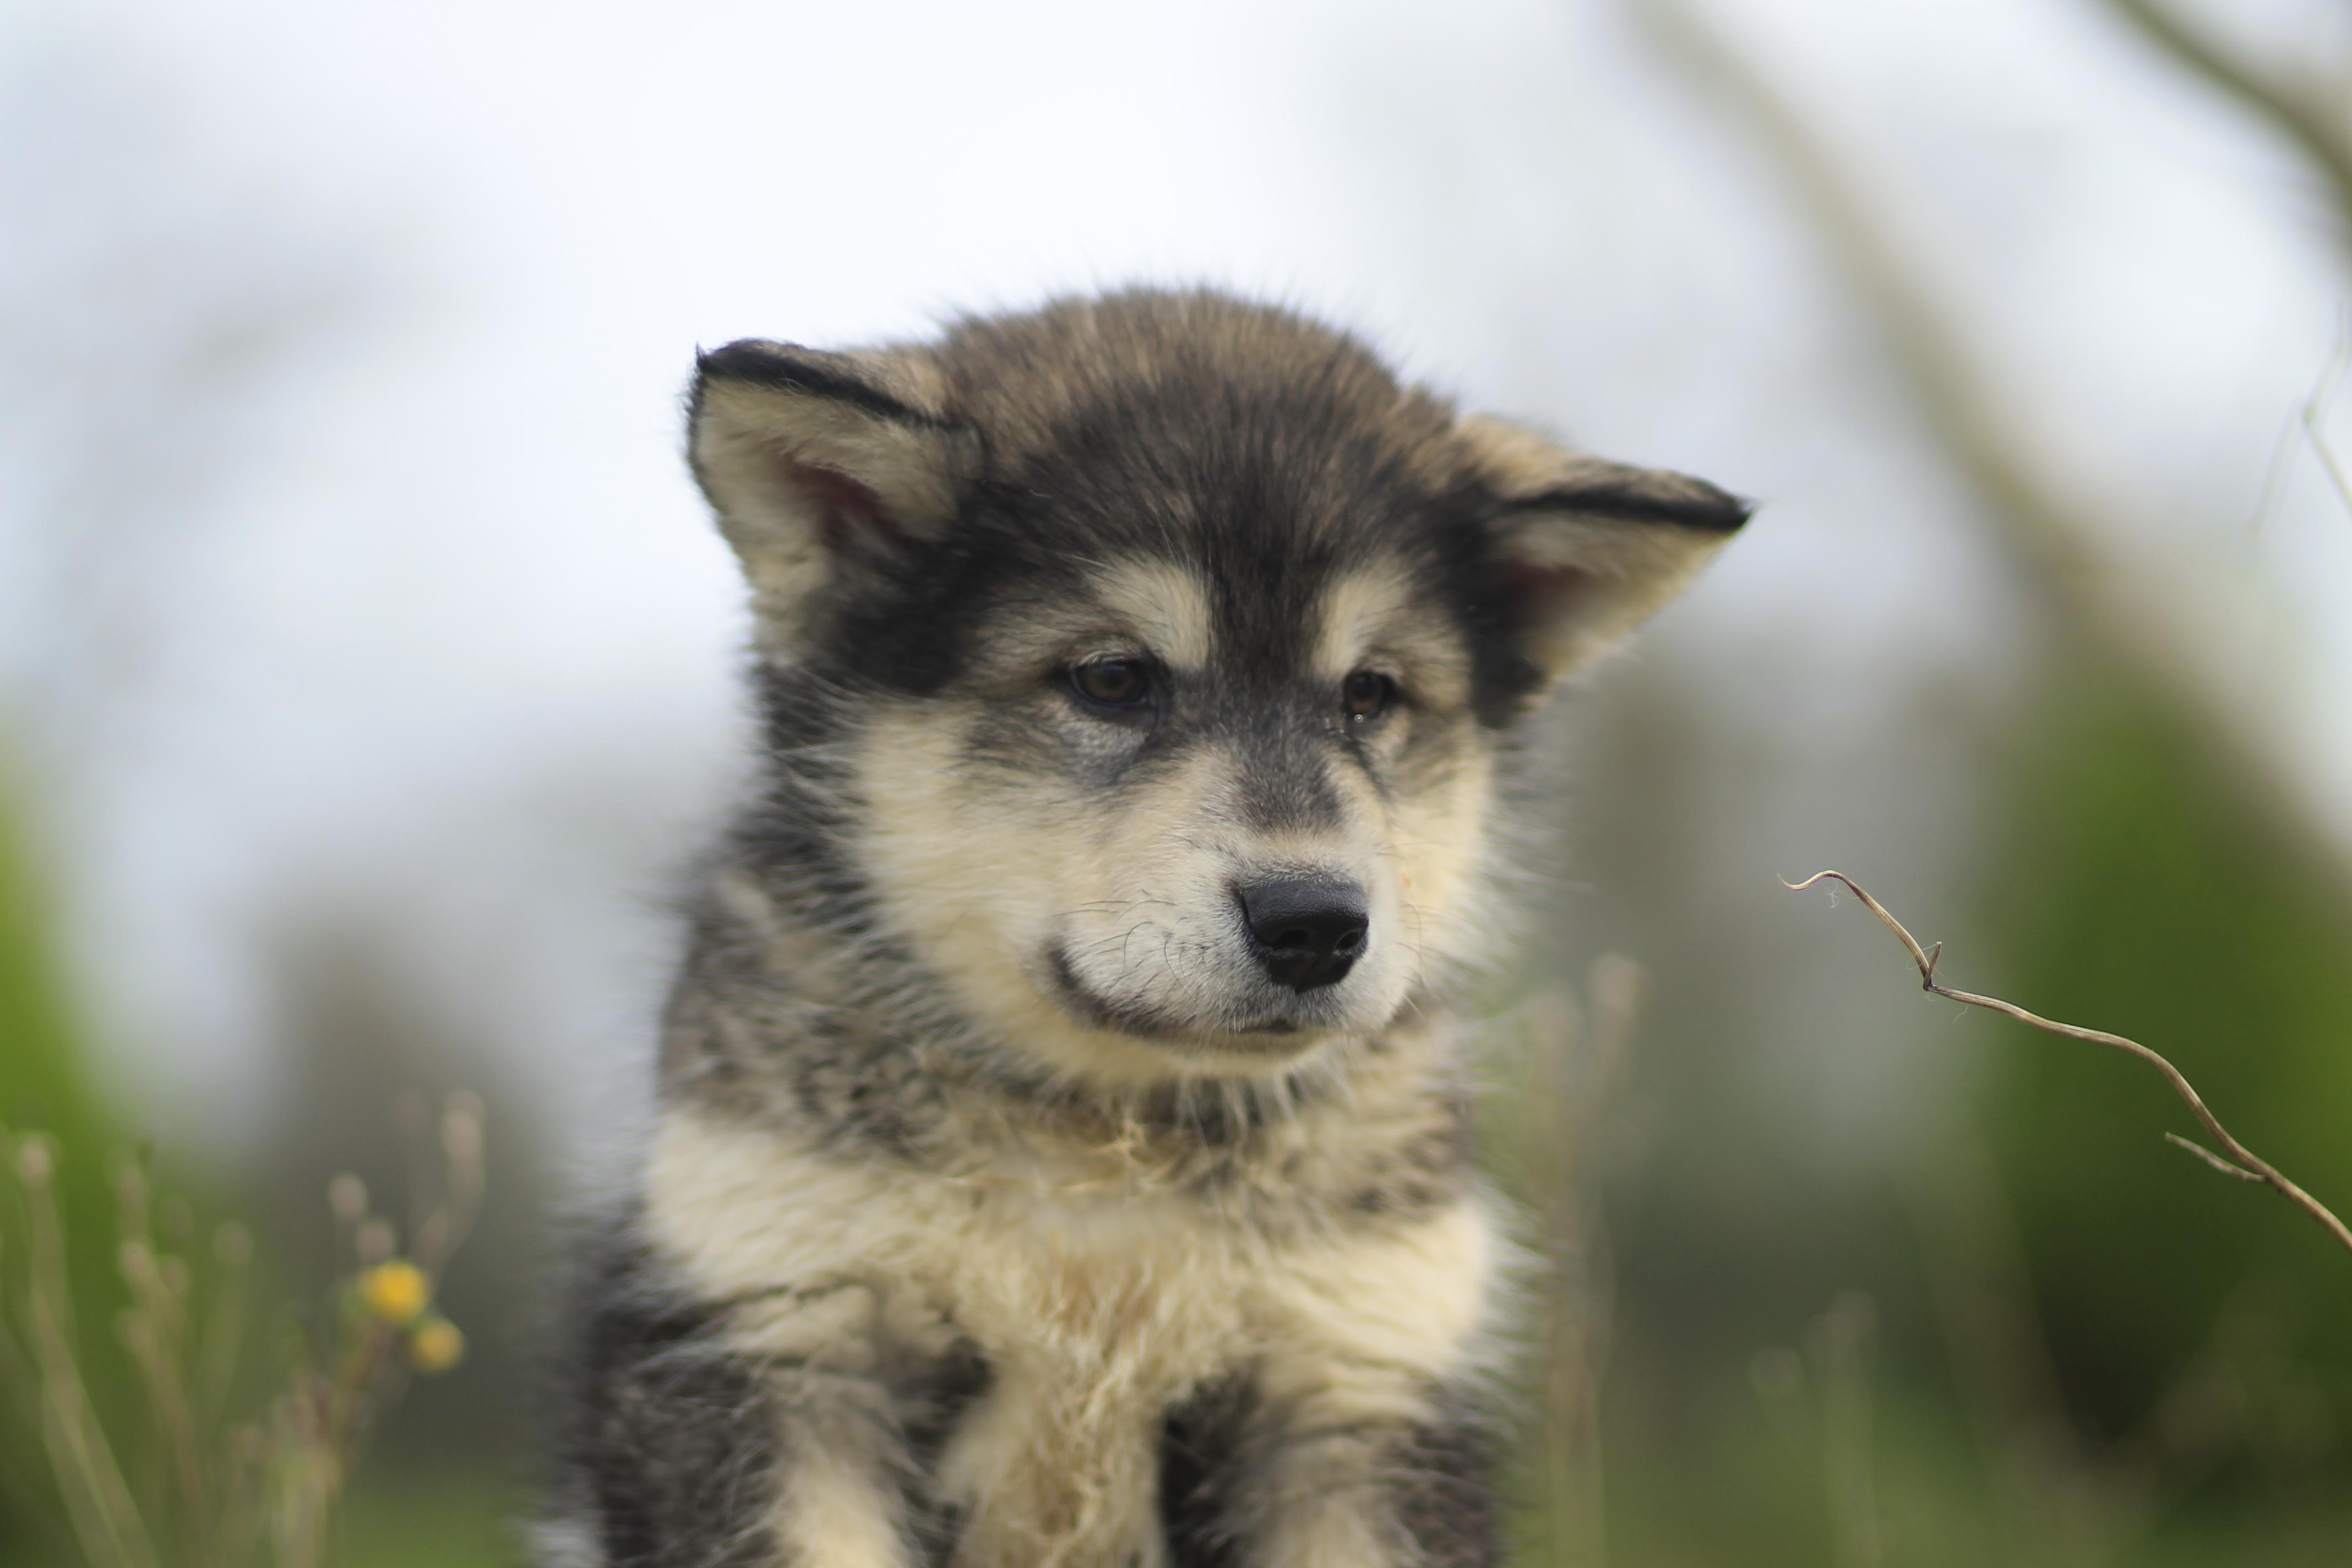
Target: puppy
{"points": [[1062, 1159]]}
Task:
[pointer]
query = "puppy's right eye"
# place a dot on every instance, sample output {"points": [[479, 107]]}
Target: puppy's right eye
{"points": [[1113, 682]]}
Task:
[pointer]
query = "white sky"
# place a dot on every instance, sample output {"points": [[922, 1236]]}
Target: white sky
{"points": [[448, 627]]}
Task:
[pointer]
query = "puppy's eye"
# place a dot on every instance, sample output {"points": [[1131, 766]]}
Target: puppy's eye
{"points": [[1113, 682], [1368, 695]]}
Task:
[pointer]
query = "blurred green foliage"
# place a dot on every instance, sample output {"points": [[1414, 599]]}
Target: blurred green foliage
{"points": [[43, 1084], [452, 1514], [44, 1080], [446, 1517], [2089, 1348], [2142, 891]]}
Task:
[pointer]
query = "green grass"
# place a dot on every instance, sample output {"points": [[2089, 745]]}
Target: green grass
{"points": [[430, 1520]]}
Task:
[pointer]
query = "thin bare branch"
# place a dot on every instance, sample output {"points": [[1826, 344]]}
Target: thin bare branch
{"points": [[2057, 530], [2309, 112], [2250, 1165], [2315, 413], [2310, 419], [2213, 1158]]}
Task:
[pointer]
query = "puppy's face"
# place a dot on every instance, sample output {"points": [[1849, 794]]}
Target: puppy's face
{"points": [[1171, 704], [1150, 821]]}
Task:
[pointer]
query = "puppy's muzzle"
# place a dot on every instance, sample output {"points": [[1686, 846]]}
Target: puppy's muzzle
{"points": [[1306, 932]]}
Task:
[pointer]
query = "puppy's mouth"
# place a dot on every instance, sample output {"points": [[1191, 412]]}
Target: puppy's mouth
{"points": [[1272, 1032]]}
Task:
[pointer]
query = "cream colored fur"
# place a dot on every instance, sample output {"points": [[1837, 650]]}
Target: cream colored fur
{"points": [[1102, 1288], [989, 875]]}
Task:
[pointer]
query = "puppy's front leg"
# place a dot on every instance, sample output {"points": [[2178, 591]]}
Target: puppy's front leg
{"points": [[1414, 1497], [694, 1446], [1248, 1485], [843, 1480], [1348, 1442]]}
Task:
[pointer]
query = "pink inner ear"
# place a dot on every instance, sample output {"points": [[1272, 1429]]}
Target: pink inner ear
{"points": [[849, 515], [1541, 591]]}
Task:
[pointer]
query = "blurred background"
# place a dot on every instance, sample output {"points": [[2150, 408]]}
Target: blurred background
{"points": [[367, 663]]}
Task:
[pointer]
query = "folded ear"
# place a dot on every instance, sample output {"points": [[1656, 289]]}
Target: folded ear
{"points": [[1586, 550], [821, 464]]}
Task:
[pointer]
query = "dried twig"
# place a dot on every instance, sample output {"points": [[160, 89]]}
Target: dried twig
{"points": [[2240, 1161]]}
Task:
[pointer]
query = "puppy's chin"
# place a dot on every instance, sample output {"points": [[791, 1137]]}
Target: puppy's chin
{"points": [[1252, 1035], [1217, 1052], [1199, 1054]]}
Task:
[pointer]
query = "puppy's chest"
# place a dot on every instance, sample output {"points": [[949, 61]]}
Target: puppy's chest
{"points": [[1097, 1294], [1150, 1273], [1094, 1307], [1044, 1267], [1093, 1326]]}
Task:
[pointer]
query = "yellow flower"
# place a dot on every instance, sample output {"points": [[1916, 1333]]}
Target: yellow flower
{"points": [[396, 1291], [436, 1346]]}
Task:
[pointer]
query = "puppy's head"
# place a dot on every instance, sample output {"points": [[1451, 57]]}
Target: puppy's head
{"points": [[1169, 643]]}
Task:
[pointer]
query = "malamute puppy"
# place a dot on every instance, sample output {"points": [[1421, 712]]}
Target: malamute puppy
{"points": [[1062, 1159]]}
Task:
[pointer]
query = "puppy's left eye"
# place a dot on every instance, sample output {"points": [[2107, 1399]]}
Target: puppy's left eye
{"points": [[1113, 682], [1368, 695]]}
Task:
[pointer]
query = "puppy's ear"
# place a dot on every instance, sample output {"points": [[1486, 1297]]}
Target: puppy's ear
{"points": [[822, 465], [1586, 550]]}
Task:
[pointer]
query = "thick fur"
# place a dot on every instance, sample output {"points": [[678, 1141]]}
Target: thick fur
{"points": [[1032, 1186]]}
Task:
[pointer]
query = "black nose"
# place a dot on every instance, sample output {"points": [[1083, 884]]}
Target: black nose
{"points": [[1307, 931]]}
